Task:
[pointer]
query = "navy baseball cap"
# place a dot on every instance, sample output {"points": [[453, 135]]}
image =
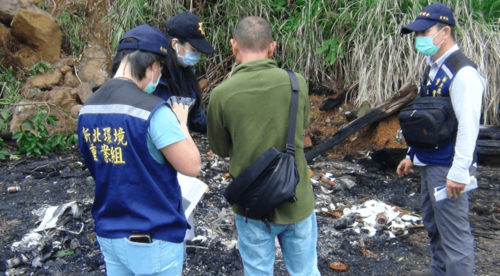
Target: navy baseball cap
{"points": [[430, 16], [188, 26], [149, 39]]}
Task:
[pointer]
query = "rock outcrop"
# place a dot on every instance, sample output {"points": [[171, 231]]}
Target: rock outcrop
{"points": [[60, 102], [94, 66], [8, 8], [40, 31], [84, 91], [47, 80]]}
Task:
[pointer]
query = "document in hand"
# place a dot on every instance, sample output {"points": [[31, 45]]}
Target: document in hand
{"points": [[441, 193], [192, 190]]}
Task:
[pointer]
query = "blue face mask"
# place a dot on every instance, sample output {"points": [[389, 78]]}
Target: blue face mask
{"points": [[425, 44], [150, 88], [189, 59]]}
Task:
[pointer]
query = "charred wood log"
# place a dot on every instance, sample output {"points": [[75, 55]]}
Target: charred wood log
{"points": [[337, 100], [489, 132], [402, 98], [488, 147]]}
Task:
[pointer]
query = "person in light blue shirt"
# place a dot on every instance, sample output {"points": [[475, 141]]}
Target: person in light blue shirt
{"points": [[134, 145], [452, 164]]}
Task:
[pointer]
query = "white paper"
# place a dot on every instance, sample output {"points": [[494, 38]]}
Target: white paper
{"points": [[443, 193], [192, 190]]}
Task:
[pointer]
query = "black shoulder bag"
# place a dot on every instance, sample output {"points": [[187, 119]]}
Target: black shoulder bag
{"points": [[272, 179]]}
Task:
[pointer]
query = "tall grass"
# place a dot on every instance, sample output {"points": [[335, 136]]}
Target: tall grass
{"points": [[333, 42]]}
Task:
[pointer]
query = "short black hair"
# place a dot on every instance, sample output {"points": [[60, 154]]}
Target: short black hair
{"points": [[139, 60], [117, 60], [253, 33], [440, 26]]}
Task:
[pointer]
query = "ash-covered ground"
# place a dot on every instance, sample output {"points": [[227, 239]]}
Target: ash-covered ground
{"points": [[61, 177]]}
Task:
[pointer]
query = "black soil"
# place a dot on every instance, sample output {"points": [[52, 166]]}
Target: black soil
{"points": [[61, 177]]}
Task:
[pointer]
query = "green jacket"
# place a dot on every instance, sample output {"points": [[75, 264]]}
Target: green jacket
{"points": [[248, 114]]}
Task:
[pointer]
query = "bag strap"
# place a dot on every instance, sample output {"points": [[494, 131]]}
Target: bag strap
{"points": [[424, 87], [292, 116]]}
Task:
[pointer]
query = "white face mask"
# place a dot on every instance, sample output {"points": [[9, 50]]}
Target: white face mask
{"points": [[189, 59]]}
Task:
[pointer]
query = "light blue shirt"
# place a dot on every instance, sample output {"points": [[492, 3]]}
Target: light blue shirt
{"points": [[164, 129], [466, 92]]}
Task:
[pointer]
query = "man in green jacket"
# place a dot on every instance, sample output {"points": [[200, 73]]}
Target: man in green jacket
{"points": [[247, 115]]}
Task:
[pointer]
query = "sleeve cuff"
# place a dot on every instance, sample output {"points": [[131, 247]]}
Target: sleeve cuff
{"points": [[459, 175]]}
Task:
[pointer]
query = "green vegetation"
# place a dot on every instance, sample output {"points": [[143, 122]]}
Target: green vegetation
{"points": [[333, 41], [72, 26], [10, 85], [39, 67], [34, 138]]}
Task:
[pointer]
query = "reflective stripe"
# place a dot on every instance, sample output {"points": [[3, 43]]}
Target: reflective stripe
{"points": [[447, 71], [116, 109]]}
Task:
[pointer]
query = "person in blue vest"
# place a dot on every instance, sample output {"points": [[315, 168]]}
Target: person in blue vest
{"points": [[134, 145], [186, 40], [452, 75]]}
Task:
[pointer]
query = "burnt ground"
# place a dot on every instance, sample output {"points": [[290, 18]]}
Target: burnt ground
{"points": [[60, 177]]}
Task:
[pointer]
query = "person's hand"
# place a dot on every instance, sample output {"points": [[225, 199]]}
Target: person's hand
{"points": [[454, 189], [181, 111], [404, 167]]}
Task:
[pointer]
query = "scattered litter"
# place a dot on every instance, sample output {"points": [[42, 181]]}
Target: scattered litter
{"points": [[376, 216], [349, 183], [368, 253], [337, 265], [58, 216], [381, 219], [41, 243], [64, 253], [326, 180], [324, 190], [333, 214], [13, 189]]}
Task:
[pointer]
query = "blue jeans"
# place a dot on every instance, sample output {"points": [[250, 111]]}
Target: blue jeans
{"points": [[123, 257], [298, 243]]}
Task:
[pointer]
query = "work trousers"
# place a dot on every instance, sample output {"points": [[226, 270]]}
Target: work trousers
{"points": [[448, 226]]}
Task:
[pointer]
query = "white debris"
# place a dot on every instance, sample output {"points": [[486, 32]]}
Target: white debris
{"points": [[200, 238], [410, 218], [324, 190], [231, 244], [368, 212]]}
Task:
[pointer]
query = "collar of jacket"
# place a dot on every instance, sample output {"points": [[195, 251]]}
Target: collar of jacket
{"points": [[255, 65], [443, 58]]}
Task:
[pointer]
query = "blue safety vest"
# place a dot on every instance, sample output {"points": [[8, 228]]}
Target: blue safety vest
{"points": [[133, 192], [440, 87]]}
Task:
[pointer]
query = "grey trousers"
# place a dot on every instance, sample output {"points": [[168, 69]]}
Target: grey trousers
{"points": [[448, 226]]}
